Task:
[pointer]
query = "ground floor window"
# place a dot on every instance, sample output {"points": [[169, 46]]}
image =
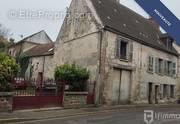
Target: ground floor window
{"points": [[172, 91], [161, 91], [165, 90]]}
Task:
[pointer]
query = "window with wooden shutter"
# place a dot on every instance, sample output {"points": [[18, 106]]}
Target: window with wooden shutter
{"points": [[165, 67], [172, 91], [150, 63], [161, 66], [169, 91], [161, 91], [157, 65], [169, 68], [130, 51], [122, 49], [174, 69], [118, 47]]}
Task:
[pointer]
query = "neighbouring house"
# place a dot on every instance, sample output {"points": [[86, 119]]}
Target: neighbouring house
{"points": [[130, 60], [18, 49], [39, 60], [28, 42], [177, 47]]}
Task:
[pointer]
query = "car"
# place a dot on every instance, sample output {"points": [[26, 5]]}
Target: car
{"points": [[19, 83]]}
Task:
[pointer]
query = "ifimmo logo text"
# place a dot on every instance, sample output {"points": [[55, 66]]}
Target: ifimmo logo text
{"points": [[150, 116]]}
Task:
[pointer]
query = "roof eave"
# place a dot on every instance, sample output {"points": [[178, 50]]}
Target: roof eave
{"points": [[138, 40], [30, 56]]}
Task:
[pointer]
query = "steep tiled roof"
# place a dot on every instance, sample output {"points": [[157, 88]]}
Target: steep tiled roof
{"points": [[40, 50], [118, 18]]}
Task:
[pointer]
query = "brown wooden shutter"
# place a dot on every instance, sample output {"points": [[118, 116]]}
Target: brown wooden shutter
{"points": [[174, 69], [148, 63], [161, 91], [157, 65], [162, 67], [118, 48], [171, 69], [166, 67], [153, 64], [130, 51]]}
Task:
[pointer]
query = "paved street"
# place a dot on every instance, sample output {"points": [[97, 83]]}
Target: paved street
{"points": [[111, 117]]}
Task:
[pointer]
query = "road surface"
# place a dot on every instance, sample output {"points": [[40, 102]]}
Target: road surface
{"points": [[112, 117]]}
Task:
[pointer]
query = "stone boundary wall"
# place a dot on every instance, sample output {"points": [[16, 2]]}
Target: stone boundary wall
{"points": [[75, 99], [6, 101]]}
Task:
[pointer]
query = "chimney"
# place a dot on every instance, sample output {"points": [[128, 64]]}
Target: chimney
{"points": [[154, 23]]}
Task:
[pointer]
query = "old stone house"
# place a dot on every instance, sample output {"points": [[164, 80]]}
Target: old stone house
{"points": [[28, 42], [130, 60], [39, 63], [36, 50], [177, 47]]}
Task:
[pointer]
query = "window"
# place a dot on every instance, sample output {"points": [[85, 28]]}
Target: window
{"points": [[165, 90], [172, 89], [166, 67], [169, 44], [173, 69], [170, 68], [159, 66], [122, 49], [161, 91], [150, 64]]}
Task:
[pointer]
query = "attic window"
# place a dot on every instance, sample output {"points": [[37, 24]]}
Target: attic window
{"points": [[167, 41]]}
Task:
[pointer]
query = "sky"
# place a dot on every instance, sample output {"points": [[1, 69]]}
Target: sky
{"points": [[24, 17]]}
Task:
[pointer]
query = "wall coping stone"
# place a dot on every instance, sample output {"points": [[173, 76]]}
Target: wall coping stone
{"points": [[5, 94], [76, 93]]}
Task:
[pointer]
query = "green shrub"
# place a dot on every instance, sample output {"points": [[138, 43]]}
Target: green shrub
{"points": [[75, 76], [8, 69]]}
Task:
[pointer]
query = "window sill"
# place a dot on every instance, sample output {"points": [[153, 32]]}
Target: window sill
{"points": [[170, 76], [125, 60], [160, 74], [150, 72], [120, 59]]}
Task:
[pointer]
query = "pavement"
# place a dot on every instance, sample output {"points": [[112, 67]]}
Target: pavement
{"points": [[27, 116], [117, 116]]}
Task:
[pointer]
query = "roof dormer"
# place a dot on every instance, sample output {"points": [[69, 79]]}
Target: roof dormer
{"points": [[167, 41]]}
